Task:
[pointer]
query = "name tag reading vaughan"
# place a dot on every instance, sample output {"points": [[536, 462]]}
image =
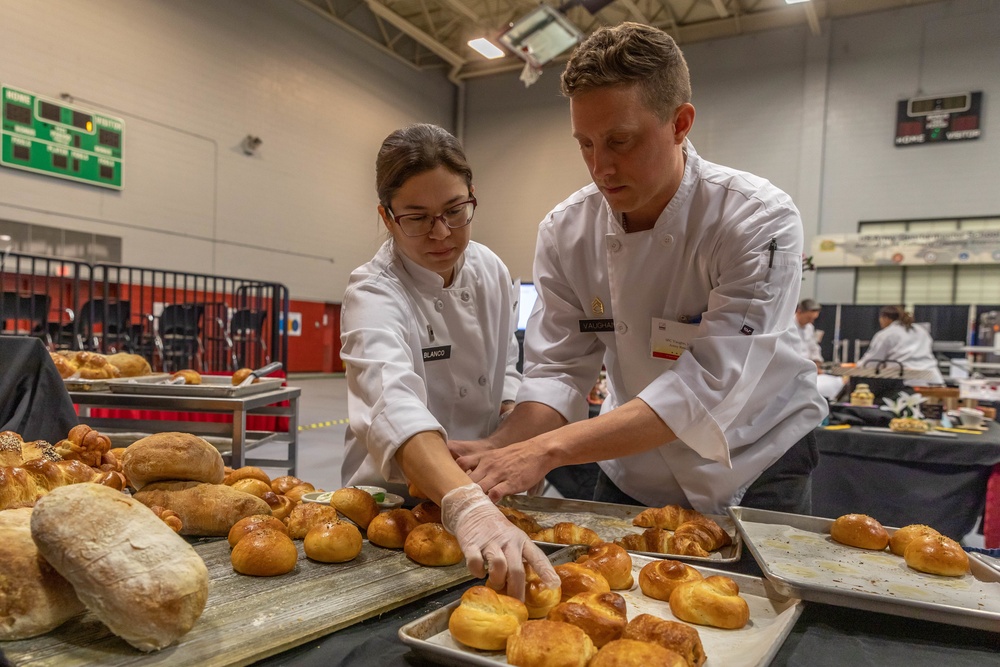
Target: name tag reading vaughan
{"points": [[597, 326], [669, 340], [436, 353]]}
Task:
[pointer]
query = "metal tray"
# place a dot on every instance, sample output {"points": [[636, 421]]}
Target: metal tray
{"points": [[800, 559], [772, 617], [212, 386], [612, 521], [78, 384]]}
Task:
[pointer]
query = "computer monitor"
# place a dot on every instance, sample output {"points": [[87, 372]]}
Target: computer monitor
{"points": [[526, 303]]}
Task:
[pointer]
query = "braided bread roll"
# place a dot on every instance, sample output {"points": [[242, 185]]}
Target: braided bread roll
{"points": [[93, 366], [634, 653], [677, 637], [713, 601], [653, 540], [22, 486], [659, 578], [612, 561], [484, 619], [84, 444], [601, 615], [538, 598], [668, 517], [577, 578], [549, 643], [567, 533]]}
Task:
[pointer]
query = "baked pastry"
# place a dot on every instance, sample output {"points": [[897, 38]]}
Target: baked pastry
{"points": [[247, 525], [903, 536], [14, 451], [484, 619], [567, 533], [389, 529], [204, 509], [168, 517], [281, 506], [172, 456], [937, 554], [22, 486], [254, 487], [282, 485], [430, 544], [129, 365], [247, 472], [242, 374], [306, 515], [93, 366], [83, 443], [427, 512], [713, 601], [612, 561], [539, 598], [659, 578], [859, 530], [909, 425], [265, 552], [64, 365], [296, 492], [190, 376], [668, 517], [678, 637], [357, 505], [549, 644], [634, 653], [652, 540], [577, 578], [699, 538], [601, 615], [333, 542], [525, 522]]}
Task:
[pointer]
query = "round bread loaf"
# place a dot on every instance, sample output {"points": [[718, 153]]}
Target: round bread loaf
{"points": [[333, 542], [484, 619], [247, 472], [634, 653], [601, 615], [356, 505], [937, 554], [389, 529], [172, 456], [254, 487], [430, 544], [549, 644], [659, 578], [427, 512], [612, 561], [903, 536], [680, 638], [247, 525], [306, 515], [265, 552], [713, 601], [577, 578], [859, 530]]}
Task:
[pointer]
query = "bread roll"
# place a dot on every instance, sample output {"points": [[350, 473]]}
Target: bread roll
{"points": [[669, 517], [247, 525], [129, 365], [612, 561], [333, 542], [281, 506], [577, 578], [678, 637], [84, 444], [903, 536], [389, 529], [131, 571], [21, 486], [601, 615], [659, 578], [254, 487], [525, 522], [168, 517], [306, 515], [937, 554], [34, 598], [539, 598], [713, 601], [484, 619], [264, 553], [92, 366], [282, 485], [567, 533], [549, 644], [242, 374], [296, 492], [190, 376], [63, 365], [356, 505], [427, 512], [174, 457], [247, 472], [204, 509], [652, 540], [859, 530], [634, 653], [430, 544]]}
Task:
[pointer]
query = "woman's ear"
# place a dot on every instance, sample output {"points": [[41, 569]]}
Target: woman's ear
{"points": [[386, 220]]}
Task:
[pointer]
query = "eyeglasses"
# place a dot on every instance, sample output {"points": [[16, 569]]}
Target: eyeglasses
{"points": [[421, 224]]}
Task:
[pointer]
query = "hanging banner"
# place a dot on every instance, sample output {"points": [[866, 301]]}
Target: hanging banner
{"points": [[907, 248]]}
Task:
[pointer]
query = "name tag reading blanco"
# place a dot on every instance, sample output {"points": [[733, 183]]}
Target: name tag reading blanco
{"points": [[669, 340], [597, 326], [437, 353]]}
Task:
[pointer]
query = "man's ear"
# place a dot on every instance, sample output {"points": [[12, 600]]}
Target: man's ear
{"points": [[683, 121]]}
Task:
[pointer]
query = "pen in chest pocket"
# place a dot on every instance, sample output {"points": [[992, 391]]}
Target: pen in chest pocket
{"points": [[771, 247]]}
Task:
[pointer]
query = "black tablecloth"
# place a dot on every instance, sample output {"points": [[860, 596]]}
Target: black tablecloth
{"points": [[33, 398]]}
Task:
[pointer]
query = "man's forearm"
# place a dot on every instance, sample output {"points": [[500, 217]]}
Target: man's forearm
{"points": [[525, 421]]}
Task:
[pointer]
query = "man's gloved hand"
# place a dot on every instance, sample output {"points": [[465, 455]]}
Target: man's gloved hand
{"points": [[492, 544]]}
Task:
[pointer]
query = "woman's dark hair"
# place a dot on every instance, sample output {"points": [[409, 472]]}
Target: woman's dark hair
{"points": [[413, 150], [897, 314]]}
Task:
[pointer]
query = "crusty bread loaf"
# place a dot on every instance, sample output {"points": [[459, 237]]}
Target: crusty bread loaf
{"points": [[484, 619], [678, 637], [333, 542], [204, 509], [634, 653], [355, 504], [659, 578], [547, 643], [601, 615], [430, 544], [567, 533], [669, 517], [306, 515], [612, 561], [248, 524], [129, 365], [264, 553], [190, 376], [937, 554], [172, 456], [713, 601], [903, 536], [859, 530], [34, 598], [389, 529], [577, 578], [136, 575]]}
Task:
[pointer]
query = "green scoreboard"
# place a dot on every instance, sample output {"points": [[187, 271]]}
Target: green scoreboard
{"points": [[57, 139]]}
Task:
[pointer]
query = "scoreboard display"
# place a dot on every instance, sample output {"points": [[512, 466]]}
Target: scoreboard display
{"points": [[53, 138], [928, 120]]}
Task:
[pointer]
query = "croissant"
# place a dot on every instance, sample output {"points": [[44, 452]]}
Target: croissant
{"points": [[567, 533], [85, 444], [654, 540], [523, 521], [698, 538], [669, 517], [22, 486]]}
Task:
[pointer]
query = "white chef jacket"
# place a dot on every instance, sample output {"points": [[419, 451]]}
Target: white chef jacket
{"points": [[912, 347], [740, 396], [806, 344], [424, 357]]}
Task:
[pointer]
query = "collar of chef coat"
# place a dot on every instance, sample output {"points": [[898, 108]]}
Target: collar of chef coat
{"points": [[425, 278]]}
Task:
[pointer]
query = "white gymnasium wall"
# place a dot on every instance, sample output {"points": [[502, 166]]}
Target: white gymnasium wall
{"points": [[191, 79]]}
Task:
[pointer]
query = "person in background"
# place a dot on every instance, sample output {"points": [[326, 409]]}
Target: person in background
{"points": [[805, 314], [681, 276], [901, 340], [428, 344]]}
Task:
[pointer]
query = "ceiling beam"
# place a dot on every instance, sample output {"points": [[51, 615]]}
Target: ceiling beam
{"points": [[720, 8], [419, 36], [812, 19]]}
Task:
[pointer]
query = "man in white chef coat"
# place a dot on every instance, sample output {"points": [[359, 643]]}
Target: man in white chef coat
{"points": [[681, 277]]}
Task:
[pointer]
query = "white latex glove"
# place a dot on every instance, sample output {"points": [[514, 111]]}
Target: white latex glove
{"points": [[492, 544]]}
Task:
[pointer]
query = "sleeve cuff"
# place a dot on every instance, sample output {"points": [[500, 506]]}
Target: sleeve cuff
{"points": [[562, 398], [690, 421]]}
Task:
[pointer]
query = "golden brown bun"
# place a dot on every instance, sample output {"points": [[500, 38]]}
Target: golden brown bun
{"points": [[538, 598], [601, 615], [937, 554], [612, 561], [567, 533], [427, 512], [63, 365], [247, 525], [172, 456], [247, 472], [577, 578], [282, 485], [204, 509], [699, 538], [903, 536], [389, 529], [333, 542], [281, 506], [484, 619], [669, 517], [430, 544], [243, 374], [306, 515], [83, 443], [190, 376], [356, 505], [254, 487], [713, 601], [169, 517], [525, 522], [652, 540], [634, 653], [296, 492], [264, 553], [859, 530], [678, 637], [92, 366], [659, 578], [549, 644], [129, 365]]}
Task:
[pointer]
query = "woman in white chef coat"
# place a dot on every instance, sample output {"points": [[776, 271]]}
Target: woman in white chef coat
{"points": [[900, 340], [428, 343]]}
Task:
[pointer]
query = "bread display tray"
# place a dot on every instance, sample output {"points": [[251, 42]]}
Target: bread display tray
{"points": [[212, 386], [248, 618], [612, 521], [772, 616], [798, 556], [79, 384]]}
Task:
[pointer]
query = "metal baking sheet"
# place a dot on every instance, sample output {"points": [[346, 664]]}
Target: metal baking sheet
{"points": [[772, 617], [612, 521], [212, 386], [798, 556], [78, 384]]}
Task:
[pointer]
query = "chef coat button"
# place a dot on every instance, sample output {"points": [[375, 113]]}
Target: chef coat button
{"points": [[621, 327], [482, 380], [667, 240], [438, 305], [615, 245], [466, 296], [462, 391]]}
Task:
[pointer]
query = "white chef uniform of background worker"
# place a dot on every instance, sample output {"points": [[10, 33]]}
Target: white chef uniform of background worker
{"points": [[429, 347], [663, 246], [808, 347], [901, 340]]}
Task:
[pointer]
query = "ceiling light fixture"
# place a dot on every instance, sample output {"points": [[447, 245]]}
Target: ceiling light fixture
{"points": [[794, 2], [486, 48]]}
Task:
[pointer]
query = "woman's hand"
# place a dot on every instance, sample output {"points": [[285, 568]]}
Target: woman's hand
{"points": [[512, 469]]}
